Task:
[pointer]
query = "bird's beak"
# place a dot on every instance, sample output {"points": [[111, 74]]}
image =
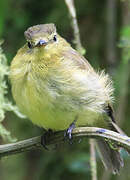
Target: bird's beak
{"points": [[42, 43]]}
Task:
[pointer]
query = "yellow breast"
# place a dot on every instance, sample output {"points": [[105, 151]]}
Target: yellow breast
{"points": [[52, 89]]}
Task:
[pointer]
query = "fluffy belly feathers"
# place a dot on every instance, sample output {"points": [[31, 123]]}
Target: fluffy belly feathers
{"points": [[54, 104]]}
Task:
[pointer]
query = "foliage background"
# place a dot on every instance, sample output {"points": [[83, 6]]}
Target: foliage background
{"points": [[105, 34]]}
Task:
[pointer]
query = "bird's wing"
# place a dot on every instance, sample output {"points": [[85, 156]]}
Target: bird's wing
{"points": [[78, 59]]}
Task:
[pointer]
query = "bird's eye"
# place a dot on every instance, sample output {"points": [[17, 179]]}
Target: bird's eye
{"points": [[55, 38], [29, 45]]}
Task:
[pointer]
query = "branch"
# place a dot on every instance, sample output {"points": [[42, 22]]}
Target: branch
{"points": [[72, 12], [81, 50], [93, 159], [58, 137]]}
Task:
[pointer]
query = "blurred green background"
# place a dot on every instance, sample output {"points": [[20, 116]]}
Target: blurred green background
{"points": [[105, 34]]}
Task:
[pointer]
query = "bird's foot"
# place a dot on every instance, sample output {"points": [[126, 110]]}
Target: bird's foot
{"points": [[68, 132], [44, 138]]}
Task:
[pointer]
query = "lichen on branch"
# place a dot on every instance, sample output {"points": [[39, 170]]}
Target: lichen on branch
{"points": [[5, 104]]}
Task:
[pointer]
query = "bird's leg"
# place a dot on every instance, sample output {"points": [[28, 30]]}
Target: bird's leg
{"points": [[68, 132], [44, 138]]}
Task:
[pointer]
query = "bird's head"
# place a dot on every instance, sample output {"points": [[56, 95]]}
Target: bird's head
{"points": [[41, 35]]}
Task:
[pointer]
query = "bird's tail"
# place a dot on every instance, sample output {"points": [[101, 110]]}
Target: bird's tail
{"points": [[110, 156]]}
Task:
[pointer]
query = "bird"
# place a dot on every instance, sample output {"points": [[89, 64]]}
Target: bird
{"points": [[58, 89]]}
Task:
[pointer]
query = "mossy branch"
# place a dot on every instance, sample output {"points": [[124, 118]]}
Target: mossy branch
{"points": [[58, 137]]}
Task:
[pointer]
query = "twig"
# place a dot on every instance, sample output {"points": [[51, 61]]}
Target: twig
{"points": [[72, 12], [81, 50], [93, 159], [58, 137]]}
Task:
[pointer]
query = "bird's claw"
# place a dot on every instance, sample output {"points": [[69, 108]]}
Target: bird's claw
{"points": [[68, 132], [44, 138]]}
